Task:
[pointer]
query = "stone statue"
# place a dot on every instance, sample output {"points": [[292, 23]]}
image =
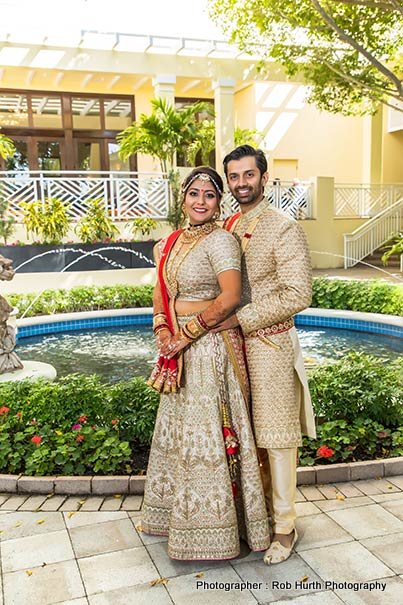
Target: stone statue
{"points": [[9, 361]]}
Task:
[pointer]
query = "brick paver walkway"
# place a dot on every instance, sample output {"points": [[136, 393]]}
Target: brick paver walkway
{"points": [[91, 551]]}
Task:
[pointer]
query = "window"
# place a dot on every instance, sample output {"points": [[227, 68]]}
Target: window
{"points": [[65, 131], [13, 110]]}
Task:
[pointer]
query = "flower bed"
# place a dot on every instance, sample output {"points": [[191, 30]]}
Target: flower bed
{"points": [[79, 426]]}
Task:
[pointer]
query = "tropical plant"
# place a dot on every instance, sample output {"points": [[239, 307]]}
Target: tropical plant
{"points": [[247, 136], [394, 247], [143, 226], [96, 225], [7, 147], [175, 216], [205, 143], [48, 220], [348, 51], [163, 133], [7, 223]]}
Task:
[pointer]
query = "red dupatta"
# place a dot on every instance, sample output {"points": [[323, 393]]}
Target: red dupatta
{"points": [[166, 375]]}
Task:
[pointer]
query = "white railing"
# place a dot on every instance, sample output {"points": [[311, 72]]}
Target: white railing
{"points": [[373, 234], [358, 200], [126, 195], [293, 198]]}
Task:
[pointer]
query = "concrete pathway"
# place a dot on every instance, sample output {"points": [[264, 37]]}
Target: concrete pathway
{"points": [[361, 271], [91, 551]]}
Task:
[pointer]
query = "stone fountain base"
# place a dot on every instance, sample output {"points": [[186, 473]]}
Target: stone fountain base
{"points": [[32, 370]]}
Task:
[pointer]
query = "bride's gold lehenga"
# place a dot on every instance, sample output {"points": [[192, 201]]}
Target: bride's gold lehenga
{"points": [[189, 492]]}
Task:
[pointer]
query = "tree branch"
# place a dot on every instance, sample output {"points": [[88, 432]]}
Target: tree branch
{"points": [[384, 6], [351, 42], [360, 84], [397, 5]]}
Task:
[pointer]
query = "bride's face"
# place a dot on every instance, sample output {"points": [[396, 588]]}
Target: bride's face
{"points": [[201, 202]]}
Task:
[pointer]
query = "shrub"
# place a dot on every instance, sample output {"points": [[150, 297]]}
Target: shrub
{"points": [[74, 426], [361, 439], [376, 297], [83, 298], [143, 225], [48, 221], [96, 226], [358, 386], [358, 295]]}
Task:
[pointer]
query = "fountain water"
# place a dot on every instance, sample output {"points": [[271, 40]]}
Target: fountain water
{"points": [[84, 254]]}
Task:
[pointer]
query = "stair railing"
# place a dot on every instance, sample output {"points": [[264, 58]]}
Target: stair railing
{"points": [[373, 234]]}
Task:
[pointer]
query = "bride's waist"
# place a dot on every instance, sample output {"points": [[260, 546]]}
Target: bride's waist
{"points": [[191, 307]]}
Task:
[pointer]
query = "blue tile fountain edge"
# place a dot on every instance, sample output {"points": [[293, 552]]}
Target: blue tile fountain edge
{"points": [[146, 320], [84, 324], [356, 325]]}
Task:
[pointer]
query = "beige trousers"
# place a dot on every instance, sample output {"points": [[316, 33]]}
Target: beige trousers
{"points": [[279, 476]]}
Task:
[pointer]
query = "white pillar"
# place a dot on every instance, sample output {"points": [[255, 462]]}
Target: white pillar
{"points": [[224, 89], [164, 87]]}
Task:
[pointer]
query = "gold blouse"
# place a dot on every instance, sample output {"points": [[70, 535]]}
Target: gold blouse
{"points": [[196, 278]]}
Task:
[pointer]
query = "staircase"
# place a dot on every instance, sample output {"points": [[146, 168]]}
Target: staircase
{"points": [[373, 235], [375, 259]]}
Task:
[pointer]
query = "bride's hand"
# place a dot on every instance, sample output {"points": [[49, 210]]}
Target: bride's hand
{"points": [[177, 343], [163, 340]]}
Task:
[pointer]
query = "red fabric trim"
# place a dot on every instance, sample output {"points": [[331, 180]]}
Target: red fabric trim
{"points": [[168, 364], [164, 292], [229, 223]]}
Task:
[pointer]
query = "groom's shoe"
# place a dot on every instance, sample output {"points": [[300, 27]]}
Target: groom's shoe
{"points": [[277, 553]]}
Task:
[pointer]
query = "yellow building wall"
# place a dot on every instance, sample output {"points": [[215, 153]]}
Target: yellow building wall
{"points": [[392, 153], [320, 142]]}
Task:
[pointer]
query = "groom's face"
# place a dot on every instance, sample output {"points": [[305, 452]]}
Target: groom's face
{"points": [[245, 181]]}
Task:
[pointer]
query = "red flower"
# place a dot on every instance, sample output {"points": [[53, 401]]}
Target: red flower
{"points": [[19, 414], [83, 418], [381, 434], [76, 427], [80, 438], [4, 410], [37, 440], [114, 421], [230, 441], [324, 452]]}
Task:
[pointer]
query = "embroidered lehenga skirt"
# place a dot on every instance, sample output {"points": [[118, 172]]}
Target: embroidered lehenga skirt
{"points": [[188, 493]]}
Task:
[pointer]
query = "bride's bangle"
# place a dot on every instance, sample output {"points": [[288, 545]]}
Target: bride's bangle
{"points": [[193, 329]]}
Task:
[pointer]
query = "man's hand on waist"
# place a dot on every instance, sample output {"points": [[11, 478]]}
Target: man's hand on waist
{"points": [[227, 324]]}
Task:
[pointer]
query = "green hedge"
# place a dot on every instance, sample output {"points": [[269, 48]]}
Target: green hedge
{"points": [[370, 296], [358, 295], [82, 298], [79, 425]]}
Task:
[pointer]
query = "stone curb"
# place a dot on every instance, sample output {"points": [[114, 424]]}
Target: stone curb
{"points": [[134, 484]]}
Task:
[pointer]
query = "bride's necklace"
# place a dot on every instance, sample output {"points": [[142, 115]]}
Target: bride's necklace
{"points": [[194, 232]]}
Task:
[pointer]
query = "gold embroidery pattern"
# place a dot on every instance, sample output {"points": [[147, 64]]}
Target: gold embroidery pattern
{"points": [[276, 284], [188, 493]]}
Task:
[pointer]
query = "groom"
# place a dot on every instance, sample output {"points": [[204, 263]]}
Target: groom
{"points": [[276, 284]]}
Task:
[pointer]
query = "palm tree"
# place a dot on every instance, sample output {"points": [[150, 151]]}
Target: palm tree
{"points": [[165, 132]]}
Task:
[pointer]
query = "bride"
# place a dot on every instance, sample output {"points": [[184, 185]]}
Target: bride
{"points": [[203, 488]]}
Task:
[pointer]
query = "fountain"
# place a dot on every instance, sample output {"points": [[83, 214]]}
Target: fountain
{"points": [[11, 367]]}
